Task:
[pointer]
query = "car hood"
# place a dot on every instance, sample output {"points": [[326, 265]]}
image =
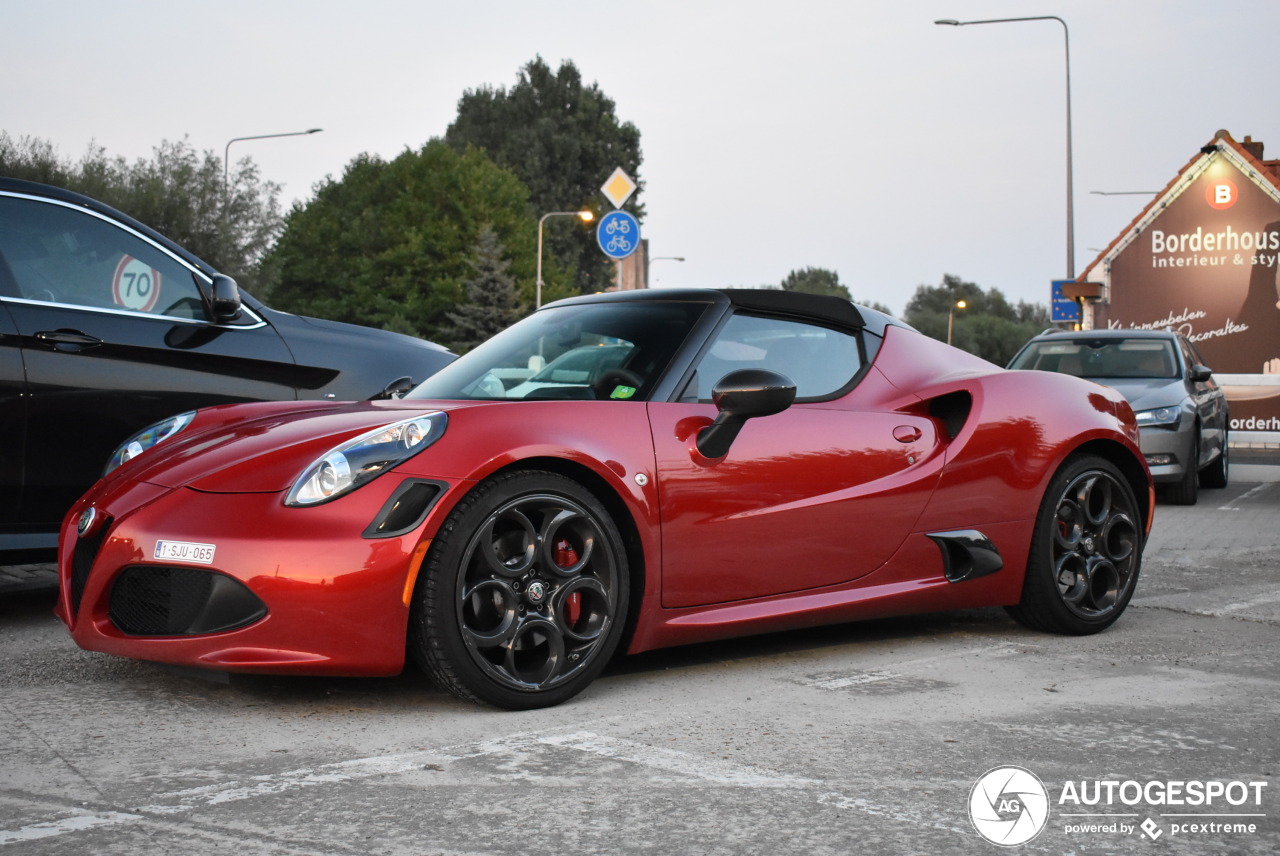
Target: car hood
{"points": [[1145, 393], [349, 362], [263, 447]]}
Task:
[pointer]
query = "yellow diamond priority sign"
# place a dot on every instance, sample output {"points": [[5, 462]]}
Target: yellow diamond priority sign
{"points": [[618, 188]]}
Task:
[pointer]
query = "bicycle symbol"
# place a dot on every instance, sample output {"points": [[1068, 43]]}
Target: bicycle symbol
{"points": [[618, 235]]}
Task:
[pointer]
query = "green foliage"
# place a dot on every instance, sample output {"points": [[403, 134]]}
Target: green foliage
{"points": [[391, 244], [877, 306], [562, 139], [814, 280], [491, 297], [822, 281], [989, 326], [33, 159], [178, 192]]}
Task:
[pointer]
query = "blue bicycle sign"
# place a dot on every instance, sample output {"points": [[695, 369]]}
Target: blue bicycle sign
{"points": [[618, 234]]}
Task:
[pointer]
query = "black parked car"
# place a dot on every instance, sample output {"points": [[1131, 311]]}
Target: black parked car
{"points": [[106, 327], [1182, 413]]}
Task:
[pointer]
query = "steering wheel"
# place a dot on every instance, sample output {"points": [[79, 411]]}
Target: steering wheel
{"points": [[610, 380]]}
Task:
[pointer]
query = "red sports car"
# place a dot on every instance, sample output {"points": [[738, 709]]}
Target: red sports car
{"points": [[734, 462]]}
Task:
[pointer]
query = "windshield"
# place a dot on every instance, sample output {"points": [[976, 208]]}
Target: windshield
{"points": [[1101, 358], [614, 351]]}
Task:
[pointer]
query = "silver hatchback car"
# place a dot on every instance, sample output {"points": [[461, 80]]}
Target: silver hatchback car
{"points": [[1182, 414]]}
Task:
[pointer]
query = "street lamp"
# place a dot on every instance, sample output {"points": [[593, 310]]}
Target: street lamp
{"points": [[226, 152], [960, 304], [1066, 41], [584, 215], [650, 261]]}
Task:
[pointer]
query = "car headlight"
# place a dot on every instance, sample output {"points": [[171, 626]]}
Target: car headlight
{"points": [[148, 437], [361, 460], [1160, 417]]}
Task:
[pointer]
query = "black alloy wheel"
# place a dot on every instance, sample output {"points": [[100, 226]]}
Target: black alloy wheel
{"points": [[523, 595], [1086, 551]]}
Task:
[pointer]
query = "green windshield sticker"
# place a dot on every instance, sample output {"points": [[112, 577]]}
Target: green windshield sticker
{"points": [[621, 391]]}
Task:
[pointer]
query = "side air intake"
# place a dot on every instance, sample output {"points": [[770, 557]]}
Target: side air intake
{"points": [[966, 554], [952, 410]]}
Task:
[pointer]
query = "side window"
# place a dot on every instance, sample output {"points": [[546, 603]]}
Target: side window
{"points": [[1190, 354], [818, 359], [59, 255]]}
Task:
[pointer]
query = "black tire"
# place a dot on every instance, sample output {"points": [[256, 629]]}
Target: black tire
{"points": [[523, 595], [1218, 473], [1085, 553], [1185, 490]]}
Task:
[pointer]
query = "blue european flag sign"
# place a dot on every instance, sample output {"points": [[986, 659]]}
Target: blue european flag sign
{"points": [[618, 234], [1061, 307]]}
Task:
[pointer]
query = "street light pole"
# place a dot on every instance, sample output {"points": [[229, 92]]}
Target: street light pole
{"points": [[226, 152], [1066, 41], [658, 259], [960, 304], [584, 215]]}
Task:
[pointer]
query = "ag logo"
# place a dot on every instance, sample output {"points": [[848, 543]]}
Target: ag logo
{"points": [[1220, 194], [1009, 806]]}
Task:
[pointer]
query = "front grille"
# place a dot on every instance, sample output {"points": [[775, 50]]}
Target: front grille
{"points": [[82, 557], [162, 600]]}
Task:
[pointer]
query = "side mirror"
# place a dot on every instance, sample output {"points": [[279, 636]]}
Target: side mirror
{"points": [[397, 388], [224, 299], [1199, 373], [740, 396]]}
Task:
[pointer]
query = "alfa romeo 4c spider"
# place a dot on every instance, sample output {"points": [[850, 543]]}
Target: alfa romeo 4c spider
{"points": [[701, 464]]}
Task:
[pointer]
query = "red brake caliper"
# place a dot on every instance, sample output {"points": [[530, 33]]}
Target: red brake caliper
{"points": [[567, 557]]}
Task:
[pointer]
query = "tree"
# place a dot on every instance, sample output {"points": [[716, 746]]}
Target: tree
{"points": [[33, 159], [822, 281], [989, 326], [179, 192], [562, 139], [491, 296], [391, 244], [814, 280]]}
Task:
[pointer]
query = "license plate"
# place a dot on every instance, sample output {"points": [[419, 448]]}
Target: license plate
{"points": [[184, 551]]}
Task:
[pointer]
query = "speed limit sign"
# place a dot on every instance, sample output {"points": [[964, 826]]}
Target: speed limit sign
{"points": [[136, 285]]}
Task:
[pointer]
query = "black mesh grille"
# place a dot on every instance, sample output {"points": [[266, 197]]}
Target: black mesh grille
{"points": [[82, 556], [159, 600]]}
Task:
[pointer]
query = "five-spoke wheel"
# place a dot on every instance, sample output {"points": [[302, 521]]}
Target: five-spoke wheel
{"points": [[524, 592], [1086, 551]]}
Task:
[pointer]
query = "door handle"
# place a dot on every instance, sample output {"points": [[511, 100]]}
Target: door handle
{"points": [[907, 433], [67, 341]]}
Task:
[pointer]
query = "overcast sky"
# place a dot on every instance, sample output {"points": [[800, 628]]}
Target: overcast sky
{"points": [[853, 135]]}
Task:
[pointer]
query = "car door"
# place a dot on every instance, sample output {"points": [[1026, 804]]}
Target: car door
{"points": [[818, 495], [13, 418], [1210, 402], [113, 335]]}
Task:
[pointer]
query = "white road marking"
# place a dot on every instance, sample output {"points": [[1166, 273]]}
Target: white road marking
{"points": [[1261, 599], [712, 770], [51, 828], [1234, 505], [673, 761]]}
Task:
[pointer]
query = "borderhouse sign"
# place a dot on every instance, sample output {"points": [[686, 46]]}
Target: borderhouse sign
{"points": [[1207, 266]]}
